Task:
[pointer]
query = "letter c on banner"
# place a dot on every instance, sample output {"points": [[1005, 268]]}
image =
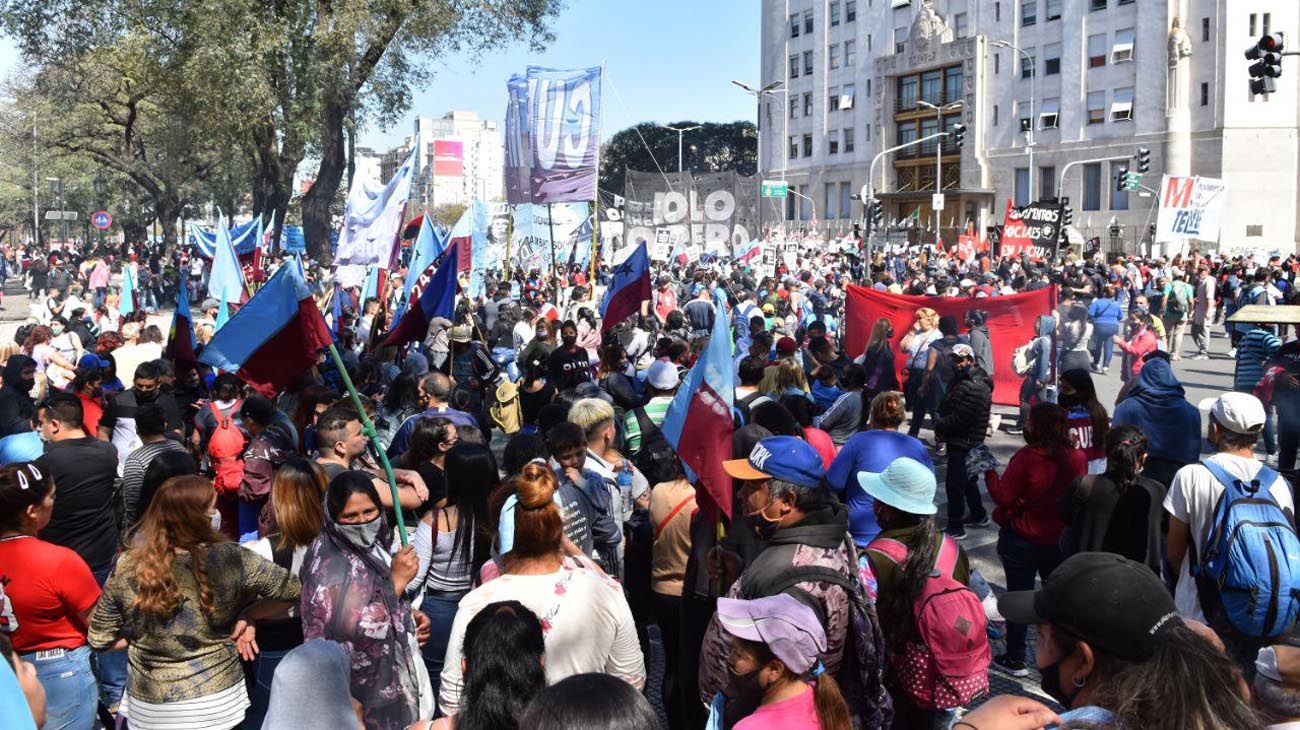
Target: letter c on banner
{"points": [[719, 205], [575, 144], [548, 112]]}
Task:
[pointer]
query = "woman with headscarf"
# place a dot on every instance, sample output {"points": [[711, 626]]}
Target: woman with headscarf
{"points": [[16, 405], [310, 690], [355, 594]]}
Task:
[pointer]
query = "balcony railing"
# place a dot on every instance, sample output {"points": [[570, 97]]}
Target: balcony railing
{"points": [[902, 104]]}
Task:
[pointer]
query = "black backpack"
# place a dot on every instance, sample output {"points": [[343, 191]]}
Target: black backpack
{"points": [[656, 459]]}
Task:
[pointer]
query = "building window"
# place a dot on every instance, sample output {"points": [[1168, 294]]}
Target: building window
{"points": [[833, 55], [1123, 48], [794, 67], [833, 12], [900, 37], [1027, 65], [1252, 25], [1125, 2], [960, 25], [1097, 50], [832, 146], [907, 132], [1028, 12], [847, 98], [807, 145], [1121, 105], [1268, 23], [1051, 59], [1046, 182], [794, 25], [1022, 186], [807, 63], [807, 104], [997, 12], [932, 87], [1096, 107], [1205, 93], [1118, 197], [907, 92], [1205, 30], [1025, 112], [868, 88], [1052, 9], [846, 200], [794, 108], [995, 115], [848, 140], [804, 202], [789, 203], [1095, 5], [850, 52], [1049, 116], [807, 22], [1255, 230], [866, 132], [794, 148], [1092, 186], [832, 98], [997, 63], [850, 10], [829, 200], [952, 84]]}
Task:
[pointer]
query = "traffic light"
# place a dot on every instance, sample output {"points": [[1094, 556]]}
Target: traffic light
{"points": [[876, 215], [1144, 160], [1267, 55], [958, 134], [1067, 215], [1121, 180]]}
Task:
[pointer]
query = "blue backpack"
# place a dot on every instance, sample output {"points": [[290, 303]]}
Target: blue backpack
{"points": [[1249, 566]]}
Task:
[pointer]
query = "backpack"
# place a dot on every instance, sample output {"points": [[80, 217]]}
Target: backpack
{"points": [[948, 667], [225, 446], [1248, 570], [506, 412], [746, 404], [1023, 358], [656, 459], [1177, 299]]}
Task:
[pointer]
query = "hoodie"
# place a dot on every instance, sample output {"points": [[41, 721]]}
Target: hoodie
{"points": [[983, 347], [16, 405], [1156, 404], [1042, 370]]}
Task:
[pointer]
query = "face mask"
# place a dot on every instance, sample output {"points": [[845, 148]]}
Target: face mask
{"points": [[569, 340], [963, 369], [215, 519], [57, 330], [1051, 684], [364, 535], [743, 692], [763, 525], [148, 396]]}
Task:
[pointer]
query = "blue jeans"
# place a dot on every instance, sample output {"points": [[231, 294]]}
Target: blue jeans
{"points": [[248, 514], [69, 689], [1022, 560], [505, 357], [1102, 347], [440, 607], [260, 673], [109, 666]]}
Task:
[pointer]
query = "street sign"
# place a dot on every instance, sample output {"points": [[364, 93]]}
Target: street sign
{"points": [[101, 220], [774, 189], [54, 215], [936, 201]]}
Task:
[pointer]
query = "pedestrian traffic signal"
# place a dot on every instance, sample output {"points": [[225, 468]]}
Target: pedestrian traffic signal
{"points": [[958, 134], [1144, 160], [1267, 55]]}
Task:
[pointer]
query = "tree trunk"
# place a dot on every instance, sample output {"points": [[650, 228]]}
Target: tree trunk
{"points": [[317, 221], [169, 207]]}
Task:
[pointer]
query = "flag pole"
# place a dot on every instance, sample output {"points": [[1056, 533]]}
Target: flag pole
{"points": [[555, 278], [510, 233], [595, 226], [368, 428]]}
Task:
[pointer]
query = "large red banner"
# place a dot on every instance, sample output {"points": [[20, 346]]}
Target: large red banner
{"points": [[1011, 323]]}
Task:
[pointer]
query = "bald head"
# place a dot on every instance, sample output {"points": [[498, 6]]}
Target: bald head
{"points": [[436, 387]]}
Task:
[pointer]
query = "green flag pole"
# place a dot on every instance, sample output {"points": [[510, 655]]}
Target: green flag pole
{"points": [[368, 428]]}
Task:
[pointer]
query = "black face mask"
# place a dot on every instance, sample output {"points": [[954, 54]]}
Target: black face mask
{"points": [[569, 340], [743, 693], [1051, 683]]}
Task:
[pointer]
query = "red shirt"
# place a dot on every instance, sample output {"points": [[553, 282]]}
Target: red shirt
{"points": [[1027, 492], [92, 409], [44, 589]]}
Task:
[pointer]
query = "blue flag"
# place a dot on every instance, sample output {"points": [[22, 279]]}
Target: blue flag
{"points": [[127, 303], [429, 245], [630, 287], [437, 299], [226, 281]]}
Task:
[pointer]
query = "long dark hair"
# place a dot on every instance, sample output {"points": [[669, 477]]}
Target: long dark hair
{"points": [[1086, 396], [590, 701], [897, 607], [471, 476], [503, 654], [1126, 446], [1187, 683], [427, 435]]}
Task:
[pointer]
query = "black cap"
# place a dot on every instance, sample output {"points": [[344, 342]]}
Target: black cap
{"points": [[1116, 605]]}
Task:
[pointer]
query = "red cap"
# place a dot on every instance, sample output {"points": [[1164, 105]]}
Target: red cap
{"points": [[786, 345]]}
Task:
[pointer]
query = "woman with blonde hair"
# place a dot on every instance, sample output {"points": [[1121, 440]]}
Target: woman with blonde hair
{"points": [[586, 622], [176, 600], [915, 347]]}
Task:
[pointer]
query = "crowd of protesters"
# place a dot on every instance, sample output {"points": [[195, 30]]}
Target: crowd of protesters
{"points": [[178, 550]]}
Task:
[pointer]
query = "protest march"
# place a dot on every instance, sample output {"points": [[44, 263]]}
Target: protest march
{"points": [[623, 448]]}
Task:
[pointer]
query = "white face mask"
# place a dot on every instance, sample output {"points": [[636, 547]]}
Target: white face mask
{"points": [[364, 535], [215, 519]]}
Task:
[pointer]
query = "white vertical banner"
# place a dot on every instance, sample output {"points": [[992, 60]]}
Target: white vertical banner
{"points": [[1190, 208], [372, 218]]}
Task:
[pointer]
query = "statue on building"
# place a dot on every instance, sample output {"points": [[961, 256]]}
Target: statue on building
{"points": [[1180, 49], [929, 31]]}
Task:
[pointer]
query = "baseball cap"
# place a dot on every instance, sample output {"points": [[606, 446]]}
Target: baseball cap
{"points": [[459, 333], [963, 350], [209, 303], [769, 309], [91, 360], [787, 458], [788, 627], [906, 485], [786, 345], [1115, 604], [662, 375], [1238, 412]]}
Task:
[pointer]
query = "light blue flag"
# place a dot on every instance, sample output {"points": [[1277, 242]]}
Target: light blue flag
{"points": [[223, 313], [371, 286], [429, 245], [226, 281], [127, 304]]}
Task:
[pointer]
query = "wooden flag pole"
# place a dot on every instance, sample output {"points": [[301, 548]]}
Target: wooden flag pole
{"points": [[368, 428], [555, 276], [595, 226]]}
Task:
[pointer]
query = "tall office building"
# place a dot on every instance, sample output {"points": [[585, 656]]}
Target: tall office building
{"points": [[1081, 79]]}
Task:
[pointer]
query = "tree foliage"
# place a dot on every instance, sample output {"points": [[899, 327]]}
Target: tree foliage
{"points": [[648, 147]]}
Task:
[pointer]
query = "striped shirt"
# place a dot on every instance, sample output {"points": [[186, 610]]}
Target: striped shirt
{"points": [[1252, 352], [133, 476], [219, 709], [656, 409]]}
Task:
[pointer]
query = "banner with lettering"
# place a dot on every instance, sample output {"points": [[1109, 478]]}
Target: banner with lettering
{"points": [[563, 109], [517, 154], [716, 212], [1190, 207], [530, 239], [1032, 229]]}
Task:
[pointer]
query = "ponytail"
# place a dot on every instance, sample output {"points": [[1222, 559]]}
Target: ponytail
{"points": [[1126, 447], [832, 710]]}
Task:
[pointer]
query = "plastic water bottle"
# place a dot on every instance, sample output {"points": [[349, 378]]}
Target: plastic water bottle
{"points": [[625, 489]]}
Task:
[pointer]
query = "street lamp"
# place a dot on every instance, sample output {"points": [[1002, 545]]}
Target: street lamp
{"points": [[938, 152], [680, 131], [1029, 133], [758, 95]]}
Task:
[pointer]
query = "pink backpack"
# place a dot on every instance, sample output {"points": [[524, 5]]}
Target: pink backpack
{"points": [[949, 666]]}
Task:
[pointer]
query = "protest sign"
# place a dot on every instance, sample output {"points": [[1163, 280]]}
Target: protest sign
{"points": [[718, 211], [563, 115], [1032, 229], [1190, 207]]}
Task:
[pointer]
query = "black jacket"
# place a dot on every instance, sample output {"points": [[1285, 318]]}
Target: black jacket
{"points": [[964, 412]]}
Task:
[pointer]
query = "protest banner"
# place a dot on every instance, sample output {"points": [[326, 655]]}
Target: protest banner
{"points": [[1011, 323], [563, 115], [717, 211], [1190, 207], [1091, 246], [530, 239], [1032, 229], [372, 218]]}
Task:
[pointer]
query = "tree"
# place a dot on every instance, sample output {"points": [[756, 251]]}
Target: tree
{"points": [[447, 214], [714, 147]]}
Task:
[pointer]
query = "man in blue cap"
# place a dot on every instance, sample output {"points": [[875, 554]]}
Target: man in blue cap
{"points": [[807, 553]]}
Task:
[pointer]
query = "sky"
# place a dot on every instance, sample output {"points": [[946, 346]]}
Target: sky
{"points": [[665, 61]]}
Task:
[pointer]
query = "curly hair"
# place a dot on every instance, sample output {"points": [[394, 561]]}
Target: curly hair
{"points": [[177, 518]]}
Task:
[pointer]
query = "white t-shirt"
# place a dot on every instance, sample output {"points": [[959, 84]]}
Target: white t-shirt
{"points": [[1192, 497], [590, 627]]}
